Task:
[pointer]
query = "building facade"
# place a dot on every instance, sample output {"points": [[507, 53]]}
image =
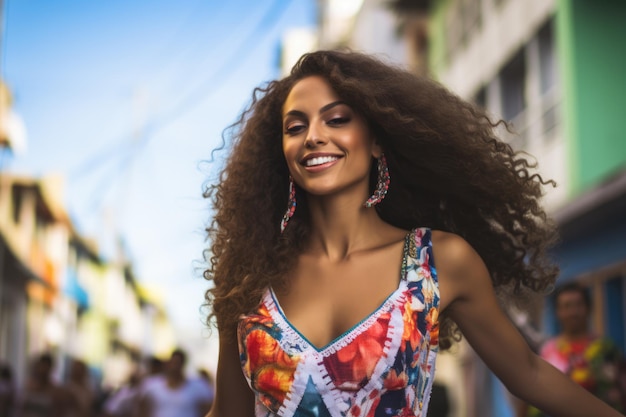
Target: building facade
{"points": [[554, 69], [58, 295]]}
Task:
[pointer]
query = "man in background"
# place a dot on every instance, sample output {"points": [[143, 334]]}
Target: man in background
{"points": [[173, 394], [591, 361]]}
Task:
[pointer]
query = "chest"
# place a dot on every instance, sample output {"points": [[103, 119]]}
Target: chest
{"points": [[381, 366], [326, 300]]}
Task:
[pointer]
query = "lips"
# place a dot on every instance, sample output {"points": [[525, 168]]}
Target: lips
{"points": [[319, 160], [311, 161]]}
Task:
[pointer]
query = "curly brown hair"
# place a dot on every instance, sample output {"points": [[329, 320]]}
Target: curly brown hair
{"points": [[449, 172]]}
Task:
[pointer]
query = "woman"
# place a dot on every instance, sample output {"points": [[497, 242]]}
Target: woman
{"points": [[334, 307]]}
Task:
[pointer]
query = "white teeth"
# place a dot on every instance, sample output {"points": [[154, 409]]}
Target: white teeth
{"points": [[320, 160]]}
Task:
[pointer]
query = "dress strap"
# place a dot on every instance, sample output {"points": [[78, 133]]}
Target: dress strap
{"points": [[418, 250]]}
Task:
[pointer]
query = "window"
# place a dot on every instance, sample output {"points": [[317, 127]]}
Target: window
{"points": [[547, 57], [480, 99], [548, 74], [454, 29], [526, 92], [472, 18], [462, 20], [513, 85]]}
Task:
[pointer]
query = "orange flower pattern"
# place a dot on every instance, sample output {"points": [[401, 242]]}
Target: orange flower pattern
{"points": [[382, 366]]}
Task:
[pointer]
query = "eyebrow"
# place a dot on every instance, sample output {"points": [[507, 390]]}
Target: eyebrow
{"points": [[321, 110]]}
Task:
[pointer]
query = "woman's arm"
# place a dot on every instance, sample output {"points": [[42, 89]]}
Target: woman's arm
{"points": [[468, 293], [233, 396]]}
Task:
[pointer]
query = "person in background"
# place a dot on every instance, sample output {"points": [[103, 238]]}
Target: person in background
{"points": [[7, 391], [41, 396], [79, 386], [155, 366], [124, 401], [363, 214], [591, 361], [173, 394], [205, 377]]}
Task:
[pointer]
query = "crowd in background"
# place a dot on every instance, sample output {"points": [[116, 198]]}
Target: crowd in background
{"points": [[156, 389], [160, 388]]}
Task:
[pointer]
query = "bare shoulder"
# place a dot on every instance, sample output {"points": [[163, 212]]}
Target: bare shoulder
{"points": [[454, 254], [460, 268]]}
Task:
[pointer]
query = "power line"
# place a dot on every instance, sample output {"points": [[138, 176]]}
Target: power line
{"points": [[266, 23], [264, 27], [165, 47], [100, 158], [269, 19]]}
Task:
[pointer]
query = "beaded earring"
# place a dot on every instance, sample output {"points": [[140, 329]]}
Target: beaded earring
{"points": [[382, 185], [291, 205]]}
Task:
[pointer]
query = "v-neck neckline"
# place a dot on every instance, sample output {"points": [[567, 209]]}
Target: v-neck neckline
{"points": [[350, 334]]}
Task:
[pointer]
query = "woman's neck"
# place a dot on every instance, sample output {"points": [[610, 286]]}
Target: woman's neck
{"points": [[341, 226]]}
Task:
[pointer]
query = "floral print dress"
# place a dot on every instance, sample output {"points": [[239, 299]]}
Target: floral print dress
{"points": [[383, 366]]}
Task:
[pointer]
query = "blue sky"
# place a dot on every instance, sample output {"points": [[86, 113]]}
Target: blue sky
{"points": [[126, 99]]}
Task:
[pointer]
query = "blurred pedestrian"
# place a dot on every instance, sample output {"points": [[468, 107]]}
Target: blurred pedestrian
{"points": [[154, 370], [124, 401], [205, 377], [80, 388], [154, 366], [173, 394], [591, 361], [41, 396], [7, 391]]}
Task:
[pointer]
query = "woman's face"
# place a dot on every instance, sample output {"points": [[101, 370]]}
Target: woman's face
{"points": [[327, 145]]}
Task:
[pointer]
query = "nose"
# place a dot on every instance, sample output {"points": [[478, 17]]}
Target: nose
{"points": [[314, 137]]}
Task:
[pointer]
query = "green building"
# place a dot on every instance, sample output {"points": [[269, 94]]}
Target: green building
{"points": [[557, 70]]}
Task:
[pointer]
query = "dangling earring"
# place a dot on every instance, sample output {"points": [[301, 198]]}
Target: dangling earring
{"points": [[291, 205], [382, 185]]}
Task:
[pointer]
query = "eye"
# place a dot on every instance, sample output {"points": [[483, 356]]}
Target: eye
{"points": [[338, 121], [294, 128]]}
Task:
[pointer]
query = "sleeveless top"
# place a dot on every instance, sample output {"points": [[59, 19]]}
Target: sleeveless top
{"points": [[383, 366]]}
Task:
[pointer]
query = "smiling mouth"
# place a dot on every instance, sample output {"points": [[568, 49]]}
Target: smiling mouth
{"points": [[320, 160]]}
